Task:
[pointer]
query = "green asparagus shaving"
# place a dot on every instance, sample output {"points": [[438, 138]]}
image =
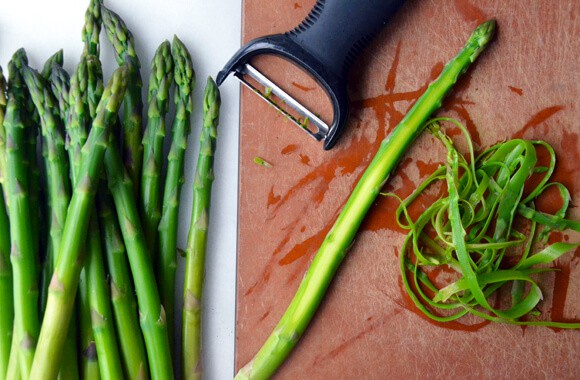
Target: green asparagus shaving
{"points": [[152, 316], [124, 45], [160, 82], [335, 246], [260, 161], [184, 77], [6, 300], [472, 232], [23, 246], [66, 276], [197, 239]]}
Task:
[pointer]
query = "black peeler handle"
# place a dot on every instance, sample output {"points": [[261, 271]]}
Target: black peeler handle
{"points": [[336, 31], [325, 44]]}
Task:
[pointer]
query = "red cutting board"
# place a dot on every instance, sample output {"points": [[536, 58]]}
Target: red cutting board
{"points": [[527, 84]]}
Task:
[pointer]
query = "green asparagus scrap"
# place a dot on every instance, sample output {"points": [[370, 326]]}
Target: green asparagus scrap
{"points": [[152, 316], [6, 300], [167, 258], [160, 82], [66, 276], [335, 246], [124, 47], [23, 249], [197, 239]]}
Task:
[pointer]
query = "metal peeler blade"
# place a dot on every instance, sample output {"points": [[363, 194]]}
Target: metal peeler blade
{"points": [[324, 45]]}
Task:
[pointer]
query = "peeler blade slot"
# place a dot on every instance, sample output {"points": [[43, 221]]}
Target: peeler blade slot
{"points": [[269, 88]]}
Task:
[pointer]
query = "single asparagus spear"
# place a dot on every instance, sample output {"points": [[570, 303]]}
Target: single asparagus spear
{"points": [[124, 46], [122, 296], [6, 300], [166, 260], [23, 248], [78, 119], [3, 88], [55, 159], [59, 81], [197, 239], [94, 271], [92, 28], [60, 84], [66, 276], [55, 59], [159, 84], [152, 315], [334, 247]]}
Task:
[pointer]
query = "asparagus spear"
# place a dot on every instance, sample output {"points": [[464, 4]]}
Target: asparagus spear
{"points": [[60, 84], [94, 270], [3, 88], [122, 296], [159, 83], [55, 59], [124, 47], [166, 260], [152, 315], [197, 239], [55, 159], [7, 314], [59, 81], [23, 249], [78, 118], [92, 28], [65, 279], [334, 247]]}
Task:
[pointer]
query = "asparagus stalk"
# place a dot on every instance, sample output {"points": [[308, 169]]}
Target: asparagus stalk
{"points": [[7, 314], [123, 299], [99, 299], [66, 276], [197, 239], [159, 83], [78, 118], [23, 248], [101, 314], [59, 81], [3, 88], [55, 160], [335, 246], [152, 315], [166, 260], [60, 85], [124, 46], [92, 28], [55, 59]]}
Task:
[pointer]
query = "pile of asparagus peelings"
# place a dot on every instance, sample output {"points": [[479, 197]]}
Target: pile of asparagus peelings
{"points": [[89, 216]]}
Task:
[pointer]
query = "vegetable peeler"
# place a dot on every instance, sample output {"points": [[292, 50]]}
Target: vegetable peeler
{"points": [[324, 44]]}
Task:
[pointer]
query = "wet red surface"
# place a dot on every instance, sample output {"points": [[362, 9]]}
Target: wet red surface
{"points": [[367, 326]]}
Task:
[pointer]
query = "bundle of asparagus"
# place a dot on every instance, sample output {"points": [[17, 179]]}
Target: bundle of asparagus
{"points": [[108, 256]]}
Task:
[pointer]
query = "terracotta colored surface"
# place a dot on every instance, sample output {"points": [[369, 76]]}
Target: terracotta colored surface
{"points": [[526, 85]]}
